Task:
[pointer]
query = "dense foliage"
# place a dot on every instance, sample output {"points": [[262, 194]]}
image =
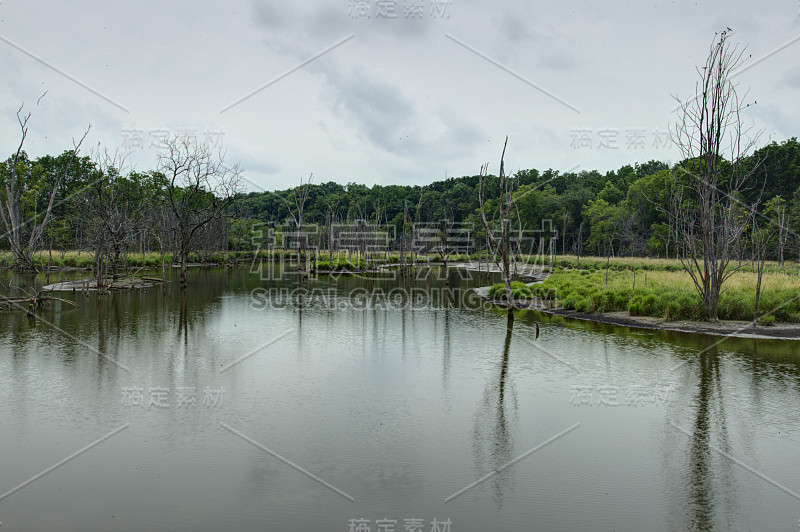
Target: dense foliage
{"points": [[619, 213]]}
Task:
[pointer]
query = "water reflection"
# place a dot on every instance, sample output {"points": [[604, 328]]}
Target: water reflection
{"points": [[446, 344], [439, 372], [495, 424], [707, 470]]}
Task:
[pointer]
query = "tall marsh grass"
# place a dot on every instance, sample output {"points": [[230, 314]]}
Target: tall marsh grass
{"points": [[672, 295]]}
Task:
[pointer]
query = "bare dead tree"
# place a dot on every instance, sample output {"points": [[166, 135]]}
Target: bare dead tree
{"points": [[24, 232], [445, 232], [299, 197], [110, 213], [710, 130], [379, 206], [777, 211], [331, 218], [404, 242], [161, 226], [198, 189], [565, 217], [507, 206], [761, 236]]}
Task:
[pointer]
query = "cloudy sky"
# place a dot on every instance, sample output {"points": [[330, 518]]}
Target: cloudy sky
{"points": [[384, 91]]}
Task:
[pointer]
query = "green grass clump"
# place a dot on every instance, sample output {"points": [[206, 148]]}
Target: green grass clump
{"points": [[671, 294], [519, 290], [342, 265], [767, 320], [583, 305]]}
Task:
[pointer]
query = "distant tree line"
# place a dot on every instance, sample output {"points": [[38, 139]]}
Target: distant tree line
{"points": [[180, 207], [624, 212]]}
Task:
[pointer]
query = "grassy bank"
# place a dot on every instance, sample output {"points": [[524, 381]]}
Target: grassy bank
{"points": [[648, 264], [150, 259], [668, 294]]}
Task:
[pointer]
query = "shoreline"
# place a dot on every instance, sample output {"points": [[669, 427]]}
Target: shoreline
{"points": [[733, 329]]}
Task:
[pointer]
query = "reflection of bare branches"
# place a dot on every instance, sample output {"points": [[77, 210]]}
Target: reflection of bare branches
{"points": [[493, 438], [183, 322], [703, 472], [447, 349]]}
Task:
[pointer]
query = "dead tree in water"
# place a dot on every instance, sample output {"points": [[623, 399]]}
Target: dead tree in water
{"points": [[29, 301], [300, 196], [404, 268], [111, 213], [198, 189], [507, 206]]}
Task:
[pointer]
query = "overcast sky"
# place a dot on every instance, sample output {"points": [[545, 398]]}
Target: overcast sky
{"points": [[384, 91]]}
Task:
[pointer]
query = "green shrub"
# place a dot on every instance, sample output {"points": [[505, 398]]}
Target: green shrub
{"points": [[570, 301], [672, 311], [734, 307], [767, 320], [650, 304], [518, 293], [636, 309], [497, 290], [582, 305]]}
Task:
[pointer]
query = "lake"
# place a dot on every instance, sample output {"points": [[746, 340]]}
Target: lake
{"points": [[257, 401]]}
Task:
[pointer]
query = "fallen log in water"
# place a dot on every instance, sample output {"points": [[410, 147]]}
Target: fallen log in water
{"points": [[115, 285], [29, 302]]}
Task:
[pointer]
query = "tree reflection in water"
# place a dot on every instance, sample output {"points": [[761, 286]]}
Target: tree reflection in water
{"points": [[493, 440], [706, 508]]}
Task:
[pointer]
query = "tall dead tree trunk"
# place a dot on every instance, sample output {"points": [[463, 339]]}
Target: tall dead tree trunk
{"points": [[300, 196], [506, 206], [708, 216], [761, 237], [22, 230]]}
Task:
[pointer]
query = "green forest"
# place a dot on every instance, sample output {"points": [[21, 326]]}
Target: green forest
{"points": [[620, 213]]}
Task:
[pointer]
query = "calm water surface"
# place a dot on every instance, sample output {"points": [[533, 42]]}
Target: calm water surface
{"points": [[237, 406]]}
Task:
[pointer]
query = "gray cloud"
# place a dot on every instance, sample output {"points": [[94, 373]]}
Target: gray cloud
{"points": [[399, 102], [791, 77]]}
